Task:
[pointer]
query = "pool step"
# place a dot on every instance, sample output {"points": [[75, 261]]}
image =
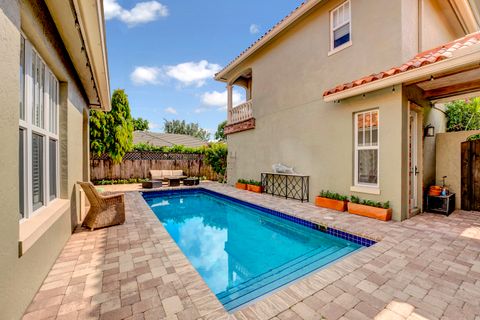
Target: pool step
{"points": [[278, 277]]}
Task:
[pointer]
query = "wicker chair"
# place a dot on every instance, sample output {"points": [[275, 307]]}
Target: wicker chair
{"points": [[104, 211]]}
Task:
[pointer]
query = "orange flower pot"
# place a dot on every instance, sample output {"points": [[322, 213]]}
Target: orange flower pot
{"points": [[370, 212], [242, 186], [257, 189], [338, 205]]}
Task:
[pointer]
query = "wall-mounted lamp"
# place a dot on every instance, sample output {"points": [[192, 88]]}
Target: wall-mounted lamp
{"points": [[429, 131]]}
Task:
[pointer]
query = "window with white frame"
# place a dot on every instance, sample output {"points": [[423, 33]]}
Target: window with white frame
{"points": [[366, 148], [38, 132], [340, 26]]}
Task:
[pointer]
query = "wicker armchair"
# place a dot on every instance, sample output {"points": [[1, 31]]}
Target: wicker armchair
{"points": [[104, 211]]}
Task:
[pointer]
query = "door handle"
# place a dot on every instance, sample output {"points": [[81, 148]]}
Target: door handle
{"points": [[416, 171]]}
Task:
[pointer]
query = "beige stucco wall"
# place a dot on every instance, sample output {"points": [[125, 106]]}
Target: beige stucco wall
{"points": [[20, 277], [293, 124], [448, 151]]}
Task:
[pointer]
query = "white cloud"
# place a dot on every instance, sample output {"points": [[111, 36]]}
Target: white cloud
{"points": [[153, 126], [145, 75], [170, 110], [254, 29], [142, 12], [193, 73], [187, 73], [219, 99]]}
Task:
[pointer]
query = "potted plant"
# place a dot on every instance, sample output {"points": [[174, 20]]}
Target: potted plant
{"points": [[241, 184], [369, 208], [331, 200], [254, 186]]}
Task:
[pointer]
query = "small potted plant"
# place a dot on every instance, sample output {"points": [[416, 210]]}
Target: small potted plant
{"points": [[241, 184], [255, 186], [369, 208], [331, 200]]}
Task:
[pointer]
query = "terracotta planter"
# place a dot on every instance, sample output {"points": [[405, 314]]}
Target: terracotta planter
{"points": [[371, 212], [338, 205], [253, 188], [242, 186]]}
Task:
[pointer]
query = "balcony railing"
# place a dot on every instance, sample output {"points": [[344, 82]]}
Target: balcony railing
{"points": [[241, 112]]}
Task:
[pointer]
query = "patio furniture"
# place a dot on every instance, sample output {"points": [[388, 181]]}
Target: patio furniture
{"points": [[163, 174], [293, 186], [104, 211], [191, 182], [441, 204], [152, 184], [174, 181]]}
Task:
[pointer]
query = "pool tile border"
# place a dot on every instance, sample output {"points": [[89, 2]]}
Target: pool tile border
{"points": [[322, 228]]}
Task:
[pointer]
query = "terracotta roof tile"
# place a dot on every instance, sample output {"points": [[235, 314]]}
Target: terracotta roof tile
{"points": [[422, 59]]}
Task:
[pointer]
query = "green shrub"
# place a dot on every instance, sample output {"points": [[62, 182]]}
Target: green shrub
{"points": [[463, 115], [371, 203], [144, 147], [242, 181], [333, 195], [474, 137], [254, 183], [119, 181]]}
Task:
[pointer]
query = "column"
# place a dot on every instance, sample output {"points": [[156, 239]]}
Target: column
{"points": [[229, 103]]}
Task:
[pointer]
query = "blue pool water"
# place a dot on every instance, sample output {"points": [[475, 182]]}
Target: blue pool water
{"points": [[242, 253]]}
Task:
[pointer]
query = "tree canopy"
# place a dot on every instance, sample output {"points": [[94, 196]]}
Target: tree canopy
{"points": [[216, 157], [140, 124], [181, 127], [111, 132], [463, 115], [220, 134]]}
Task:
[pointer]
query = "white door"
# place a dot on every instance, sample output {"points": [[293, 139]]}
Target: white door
{"points": [[413, 162]]}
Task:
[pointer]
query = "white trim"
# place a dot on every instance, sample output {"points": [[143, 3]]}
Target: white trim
{"points": [[364, 189], [340, 48], [463, 57], [370, 147], [334, 49]]}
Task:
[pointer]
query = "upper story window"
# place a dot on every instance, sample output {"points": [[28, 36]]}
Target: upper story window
{"points": [[340, 26], [38, 132], [366, 148]]}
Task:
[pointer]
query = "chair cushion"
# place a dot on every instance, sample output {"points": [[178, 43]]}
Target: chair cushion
{"points": [[177, 172]]}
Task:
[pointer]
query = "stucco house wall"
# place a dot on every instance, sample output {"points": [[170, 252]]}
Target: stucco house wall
{"points": [[296, 127], [21, 276]]}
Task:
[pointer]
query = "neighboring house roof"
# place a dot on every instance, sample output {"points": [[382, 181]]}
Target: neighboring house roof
{"points": [[422, 59], [167, 139]]}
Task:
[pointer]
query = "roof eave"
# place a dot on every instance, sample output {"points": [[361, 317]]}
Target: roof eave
{"points": [[82, 28], [465, 57], [270, 35]]}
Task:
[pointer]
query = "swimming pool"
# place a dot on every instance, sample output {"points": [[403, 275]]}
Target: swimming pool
{"points": [[243, 251]]}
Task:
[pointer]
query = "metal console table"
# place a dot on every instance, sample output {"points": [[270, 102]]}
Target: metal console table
{"points": [[293, 186]]}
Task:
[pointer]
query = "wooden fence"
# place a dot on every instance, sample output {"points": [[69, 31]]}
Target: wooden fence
{"points": [[138, 165]]}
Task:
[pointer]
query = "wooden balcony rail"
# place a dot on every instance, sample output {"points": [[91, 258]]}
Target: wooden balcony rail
{"points": [[240, 113]]}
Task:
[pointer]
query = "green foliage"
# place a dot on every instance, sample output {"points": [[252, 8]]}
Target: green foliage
{"points": [[244, 181], [119, 181], [333, 195], [463, 115], [220, 135], [216, 157], [140, 124], [173, 149], [474, 137], [377, 204], [181, 127], [254, 183], [111, 132]]}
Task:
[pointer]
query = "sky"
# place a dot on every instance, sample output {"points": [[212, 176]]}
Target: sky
{"points": [[165, 53]]}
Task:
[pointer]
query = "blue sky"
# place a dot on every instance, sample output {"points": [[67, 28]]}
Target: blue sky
{"points": [[164, 53]]}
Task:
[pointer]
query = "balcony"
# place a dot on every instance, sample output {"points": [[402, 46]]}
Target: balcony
{"points": [[240, 118]]}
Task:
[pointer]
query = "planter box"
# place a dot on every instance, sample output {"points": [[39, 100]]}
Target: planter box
{"points": [[242, 186], [371, 212], [257, 189], [338, 205]]}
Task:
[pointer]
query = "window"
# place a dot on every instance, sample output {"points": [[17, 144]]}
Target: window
{"points": [[340, 26], [38, 132], [366, 148]]}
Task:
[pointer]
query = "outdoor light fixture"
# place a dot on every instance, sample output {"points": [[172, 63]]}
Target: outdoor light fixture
{"points": [[429, 131]]}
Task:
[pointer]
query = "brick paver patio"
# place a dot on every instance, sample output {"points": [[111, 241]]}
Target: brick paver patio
{"points": [[427, 267]]}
